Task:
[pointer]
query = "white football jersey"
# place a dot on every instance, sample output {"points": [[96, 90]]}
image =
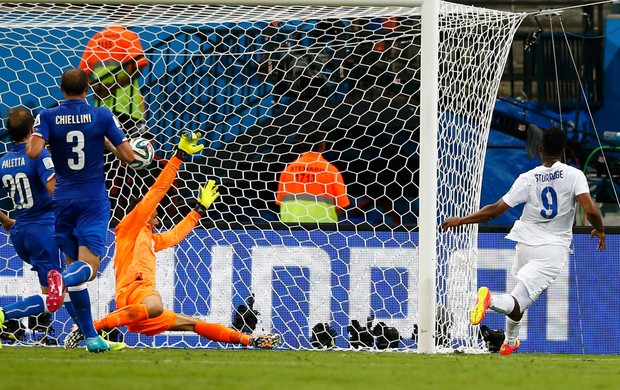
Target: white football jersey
{"points": [[550, 201]]}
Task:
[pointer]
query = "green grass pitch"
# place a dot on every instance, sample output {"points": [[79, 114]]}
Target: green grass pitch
{"points": [[142, 368]]}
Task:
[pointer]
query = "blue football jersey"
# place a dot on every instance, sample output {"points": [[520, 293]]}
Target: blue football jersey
{"points": [[75, 132], [25, 180]]}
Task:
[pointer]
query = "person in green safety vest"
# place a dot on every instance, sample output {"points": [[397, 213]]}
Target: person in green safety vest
{"points": [[311, 189], [114, 58]]}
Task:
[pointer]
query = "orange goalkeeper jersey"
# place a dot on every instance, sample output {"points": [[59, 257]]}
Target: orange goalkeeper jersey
{"points": [[136, 244]]}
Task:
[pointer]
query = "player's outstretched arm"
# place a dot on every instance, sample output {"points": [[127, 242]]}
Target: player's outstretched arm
{"points": [[188, 144], [485, 214], [593, 215], [206, 196], [123, 151]]}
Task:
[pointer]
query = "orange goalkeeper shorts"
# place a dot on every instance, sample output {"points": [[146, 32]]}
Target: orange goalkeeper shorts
{"points": [[134, 293], [155, 325]]}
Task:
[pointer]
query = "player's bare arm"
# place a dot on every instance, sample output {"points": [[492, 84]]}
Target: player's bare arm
{"points": [[124, 152], [6, 221], [34, 147], [485, 214], [51, 185], [593, 215], [109, 146]]}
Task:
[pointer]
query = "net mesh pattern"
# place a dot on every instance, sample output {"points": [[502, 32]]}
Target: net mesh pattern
{"points": [[260, 84]]}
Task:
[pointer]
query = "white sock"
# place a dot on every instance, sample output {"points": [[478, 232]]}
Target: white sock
{"points": [[512, 331], [502, 303]]}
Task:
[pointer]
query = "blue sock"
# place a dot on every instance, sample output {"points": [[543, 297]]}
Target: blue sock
{"points": [[30, 306], [77, 273], [81, 303], [72, 314]]}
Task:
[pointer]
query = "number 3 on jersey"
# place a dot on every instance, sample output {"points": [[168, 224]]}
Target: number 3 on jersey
{"points": [[76, 163], [550, 203]]}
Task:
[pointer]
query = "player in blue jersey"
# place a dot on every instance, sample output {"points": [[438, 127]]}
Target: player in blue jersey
{"points": [[77, 134], [30, 184]]}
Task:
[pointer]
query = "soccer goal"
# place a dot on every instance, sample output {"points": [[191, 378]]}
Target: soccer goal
{"points": [[403, 95]]}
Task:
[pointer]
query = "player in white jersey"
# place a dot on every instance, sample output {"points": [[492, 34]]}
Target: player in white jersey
{"points": [[543, 234]]}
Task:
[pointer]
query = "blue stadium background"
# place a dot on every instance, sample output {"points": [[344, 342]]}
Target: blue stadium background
{"points": [[590, 325]]}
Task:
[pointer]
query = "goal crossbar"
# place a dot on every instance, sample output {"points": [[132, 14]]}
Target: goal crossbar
{"points": [[335, 3]]}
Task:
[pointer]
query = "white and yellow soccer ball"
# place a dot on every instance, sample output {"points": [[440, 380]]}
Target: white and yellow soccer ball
{"points": [[143, 153]]}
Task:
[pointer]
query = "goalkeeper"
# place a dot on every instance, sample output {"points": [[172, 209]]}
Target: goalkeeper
{"points": [[139, 305]]}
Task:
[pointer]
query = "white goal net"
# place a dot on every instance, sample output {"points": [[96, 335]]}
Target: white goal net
{"points": [[260, 83]]}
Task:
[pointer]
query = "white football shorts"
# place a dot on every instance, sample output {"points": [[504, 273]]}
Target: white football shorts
{"points": [[538, 266]]}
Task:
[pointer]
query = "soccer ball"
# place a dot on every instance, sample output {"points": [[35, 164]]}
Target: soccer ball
{"points": [[143, 153]]}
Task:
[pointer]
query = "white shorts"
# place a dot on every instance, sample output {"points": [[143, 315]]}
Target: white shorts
{"points": [[538, 266]]}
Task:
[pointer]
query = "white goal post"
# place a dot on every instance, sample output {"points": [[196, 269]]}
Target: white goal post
{"points": [[403, 91]]}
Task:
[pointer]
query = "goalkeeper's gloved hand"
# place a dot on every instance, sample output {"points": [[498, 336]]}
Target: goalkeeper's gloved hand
{"points": [[206, 197], [188, 144]]}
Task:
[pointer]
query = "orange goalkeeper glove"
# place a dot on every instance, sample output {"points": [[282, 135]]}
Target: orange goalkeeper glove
{"points": [[206, 196], [188, 144]]}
